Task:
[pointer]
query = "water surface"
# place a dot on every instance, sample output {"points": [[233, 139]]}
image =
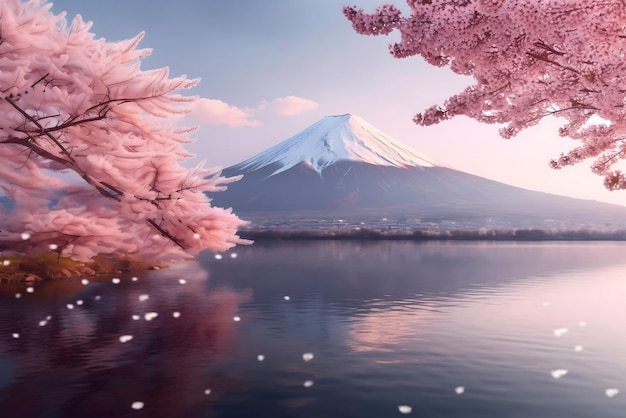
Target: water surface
{"points": [[448, 329]]}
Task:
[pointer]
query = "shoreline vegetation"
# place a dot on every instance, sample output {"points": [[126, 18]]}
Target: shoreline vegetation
{"points": [[30, 269]]}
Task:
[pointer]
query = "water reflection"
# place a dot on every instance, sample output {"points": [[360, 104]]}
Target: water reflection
{"points": [[389, 323], [76, 363]]}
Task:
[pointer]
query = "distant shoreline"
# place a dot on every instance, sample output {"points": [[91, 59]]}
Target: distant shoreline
{"points": [[430, 235]]}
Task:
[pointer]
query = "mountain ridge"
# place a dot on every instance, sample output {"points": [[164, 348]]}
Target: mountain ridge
{"points": [[368, 172]]}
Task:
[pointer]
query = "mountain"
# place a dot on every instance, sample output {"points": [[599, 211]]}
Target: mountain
{"points": [[344, 165]]}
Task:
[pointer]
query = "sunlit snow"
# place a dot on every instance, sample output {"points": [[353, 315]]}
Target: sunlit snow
{"points": [[559, 373], [343, 137], [307, 356], [611, 392]]}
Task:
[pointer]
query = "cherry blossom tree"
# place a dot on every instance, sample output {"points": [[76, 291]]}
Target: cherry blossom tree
{"points": [[529, 60], [73, 103]]}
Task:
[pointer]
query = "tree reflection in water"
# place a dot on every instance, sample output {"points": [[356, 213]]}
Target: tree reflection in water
{"points": [[76, 364]]}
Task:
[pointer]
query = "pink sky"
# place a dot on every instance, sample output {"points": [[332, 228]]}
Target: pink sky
{"points": [[270, 69]]}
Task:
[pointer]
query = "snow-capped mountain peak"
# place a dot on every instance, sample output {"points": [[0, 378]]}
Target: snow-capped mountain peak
{"points": [[338, 138]]}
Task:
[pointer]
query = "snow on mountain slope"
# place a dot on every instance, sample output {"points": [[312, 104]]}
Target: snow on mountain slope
{"points": [[338, 138]]}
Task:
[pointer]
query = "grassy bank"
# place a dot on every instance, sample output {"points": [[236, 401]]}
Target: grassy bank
{"points": [[47, 267]]}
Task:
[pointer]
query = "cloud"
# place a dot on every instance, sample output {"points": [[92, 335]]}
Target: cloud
{"points": [[290, 105], [216, 112]]}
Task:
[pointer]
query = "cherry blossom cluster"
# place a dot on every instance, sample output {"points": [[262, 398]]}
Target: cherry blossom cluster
{"points": [[529, 60], [73, 103]]}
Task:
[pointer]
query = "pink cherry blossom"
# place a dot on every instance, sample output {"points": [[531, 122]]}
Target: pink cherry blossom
{"points": [[529, 60], [73, 103]]}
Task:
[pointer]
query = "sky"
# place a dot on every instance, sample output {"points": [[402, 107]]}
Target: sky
{"points": [[271, 68]]}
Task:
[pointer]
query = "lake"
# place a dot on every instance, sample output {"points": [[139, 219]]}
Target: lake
{"points": [[329, 329]]}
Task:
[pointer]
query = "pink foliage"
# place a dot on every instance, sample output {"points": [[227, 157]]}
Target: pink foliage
{"points": [[72, 102], [529, 59]]}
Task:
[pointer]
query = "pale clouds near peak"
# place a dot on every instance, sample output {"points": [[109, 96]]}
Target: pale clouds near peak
{"points": [[290, 105], [216, 112]]}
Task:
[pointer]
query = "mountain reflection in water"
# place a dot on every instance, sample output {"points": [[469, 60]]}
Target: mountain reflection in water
{"points": [[387, 323]]}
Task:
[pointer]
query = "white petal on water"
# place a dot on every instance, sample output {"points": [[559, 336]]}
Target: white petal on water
{"points": [[260, 357], [233, 255], [25, 236], [6, 262], [176, 314], [558, 373], [79, 302], [611, 392], [218, 256], [15, 335], [85, 282], [578, 348], [53, 246], [404, 409], [70, 306], [236, 318], [459, 390], [48, 318], [125, 338], [18, 295], [137, 405], [150, 316], [308, 384], [560, 331], [286, 297], [182, 281], [136, 317], [134, 279], [207, 391], [43, 323], [116, 280], [30, 289], [307, 356], [97, 297], [143, 297]]}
